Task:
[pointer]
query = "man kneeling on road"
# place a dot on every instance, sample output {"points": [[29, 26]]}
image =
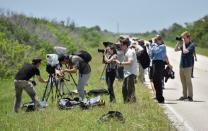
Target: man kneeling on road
{"points": [[22, 81]]}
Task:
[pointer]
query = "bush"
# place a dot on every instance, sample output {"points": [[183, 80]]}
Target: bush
{"points": [[13, 55]]}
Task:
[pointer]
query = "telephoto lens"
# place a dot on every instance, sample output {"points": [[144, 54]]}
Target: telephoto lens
{"points": [[179, 38], [101, 50]]}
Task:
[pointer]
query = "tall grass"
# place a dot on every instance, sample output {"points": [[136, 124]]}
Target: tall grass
{"points": [[143, 115]]}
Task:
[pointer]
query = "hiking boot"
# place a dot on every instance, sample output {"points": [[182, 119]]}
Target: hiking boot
{"points": [[182, 98], [190, 98]]}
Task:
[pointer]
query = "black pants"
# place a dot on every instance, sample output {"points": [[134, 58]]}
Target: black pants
{"points": [[157, 68], [128, 89], [110, 77]]}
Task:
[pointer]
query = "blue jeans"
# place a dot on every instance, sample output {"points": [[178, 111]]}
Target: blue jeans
{"points": [[83, 78]]}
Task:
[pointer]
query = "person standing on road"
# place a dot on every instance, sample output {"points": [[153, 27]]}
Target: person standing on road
{"points": [[187, 49], [159, 59]]}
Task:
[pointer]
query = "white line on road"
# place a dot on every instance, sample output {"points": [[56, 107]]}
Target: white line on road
{"points": [[180, 118]]}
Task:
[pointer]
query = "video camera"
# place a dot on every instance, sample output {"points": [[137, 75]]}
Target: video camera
{"points": [[52, 62]]}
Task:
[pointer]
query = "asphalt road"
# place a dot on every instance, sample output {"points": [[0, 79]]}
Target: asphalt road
{"points": [[194, 115]]}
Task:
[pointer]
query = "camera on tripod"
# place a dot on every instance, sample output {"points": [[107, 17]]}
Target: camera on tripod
{"points": [[52, 62]]}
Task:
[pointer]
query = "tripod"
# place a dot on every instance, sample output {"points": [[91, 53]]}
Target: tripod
{"points": [[103, 71], [62, 85], [51, 84]]}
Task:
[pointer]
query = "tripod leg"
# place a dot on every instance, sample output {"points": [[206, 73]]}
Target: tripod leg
{"points": [[47, 88], [103, 71], [50, 89], [61, 87], [73, 79], [58, 89]]}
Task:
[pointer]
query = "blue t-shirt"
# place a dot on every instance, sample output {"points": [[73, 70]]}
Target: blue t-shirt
{"points": [[158, 52], [187, 59]]}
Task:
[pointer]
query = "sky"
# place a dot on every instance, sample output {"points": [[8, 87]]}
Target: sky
{"points": [[129, 16]]}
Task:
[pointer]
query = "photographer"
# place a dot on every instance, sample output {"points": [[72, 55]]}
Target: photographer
{"points": [[22, 82], [187, 48], [130, 70], [77, 63], [109, 57]]}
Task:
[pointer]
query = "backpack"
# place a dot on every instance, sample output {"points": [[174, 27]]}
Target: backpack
{"points": [[116, 115], [143, 58], [84, 55]]}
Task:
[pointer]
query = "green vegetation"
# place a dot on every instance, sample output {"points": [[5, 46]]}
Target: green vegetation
{"points": [[198, 30], [22, 38], [13, 55]]}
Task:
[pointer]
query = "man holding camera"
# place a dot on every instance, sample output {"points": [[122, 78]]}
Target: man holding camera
{"points": [[130, 70], [22, 82], [185, 45]]}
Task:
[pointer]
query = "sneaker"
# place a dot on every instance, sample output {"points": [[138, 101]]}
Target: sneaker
{"points": [[190, 98], [182, 98], [161, 102]]}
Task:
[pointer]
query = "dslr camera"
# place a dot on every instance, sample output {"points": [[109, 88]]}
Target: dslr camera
{"points": [[52, 62], [178, 38]]}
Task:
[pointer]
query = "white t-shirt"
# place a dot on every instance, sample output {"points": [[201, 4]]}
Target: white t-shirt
{"points": [[132, 68]]}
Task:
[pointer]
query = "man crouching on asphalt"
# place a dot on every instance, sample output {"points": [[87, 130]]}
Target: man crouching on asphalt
{"points": [[130, 71], [22, 82]]}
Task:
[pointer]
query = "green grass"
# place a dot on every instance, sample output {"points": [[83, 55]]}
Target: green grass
{"points": [[143, 115], [202, 51]]}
